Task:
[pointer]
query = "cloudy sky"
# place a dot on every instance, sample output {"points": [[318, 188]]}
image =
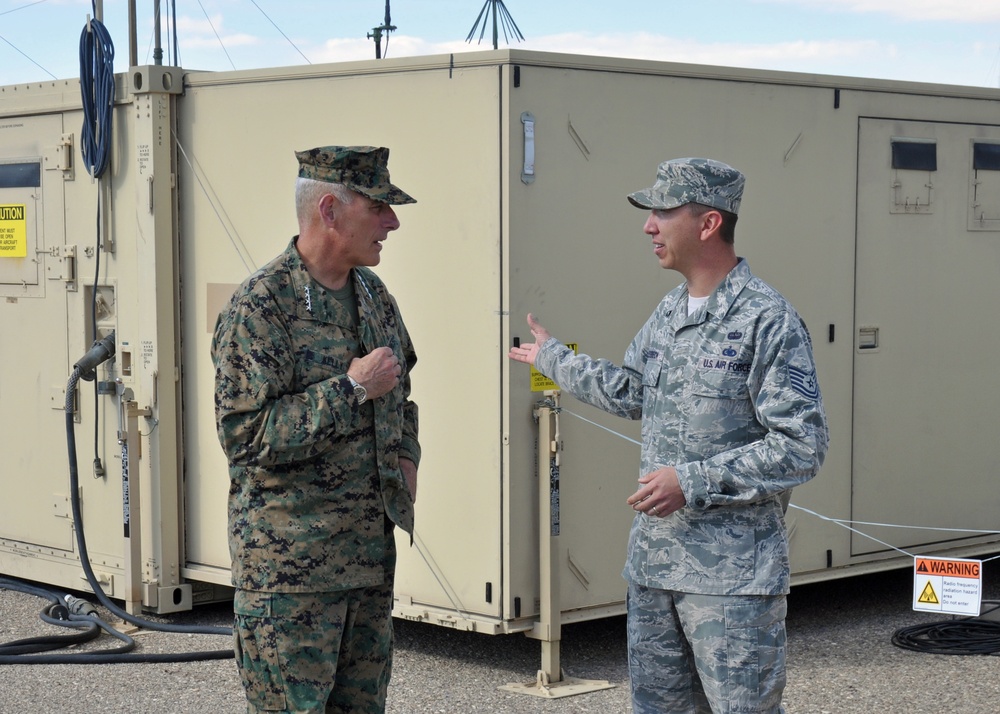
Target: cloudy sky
{"points": [[944, 41]]}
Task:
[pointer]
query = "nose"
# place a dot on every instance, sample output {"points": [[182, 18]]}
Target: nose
{"points": [[649, 227], [389, 219]]}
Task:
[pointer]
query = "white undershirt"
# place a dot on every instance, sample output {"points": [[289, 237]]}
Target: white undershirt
{"points": [[695, 303]]}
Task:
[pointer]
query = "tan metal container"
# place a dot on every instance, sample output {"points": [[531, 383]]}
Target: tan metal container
{"points": [[893, 269]]}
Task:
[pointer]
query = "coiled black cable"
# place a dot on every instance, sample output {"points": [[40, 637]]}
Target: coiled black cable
{"points": [[22, 651], [74, 482], [54, 613], [966, 636]]}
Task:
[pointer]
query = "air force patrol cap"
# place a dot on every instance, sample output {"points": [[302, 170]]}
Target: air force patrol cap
{"points": [[364, 169], [704, 181]]}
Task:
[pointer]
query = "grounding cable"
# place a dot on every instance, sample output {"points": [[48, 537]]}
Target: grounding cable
{"points": [[234, 237], [842, 522]]}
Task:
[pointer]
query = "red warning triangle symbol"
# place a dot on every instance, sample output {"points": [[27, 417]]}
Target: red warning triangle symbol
{"points": [[922, 567]]}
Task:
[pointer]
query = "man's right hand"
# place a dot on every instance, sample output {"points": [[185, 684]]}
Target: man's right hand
{"points": [[378, 371], [526, 352]]}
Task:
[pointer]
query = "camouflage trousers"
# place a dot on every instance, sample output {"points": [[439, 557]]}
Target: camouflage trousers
{"points": [[701, 654], [322, 653]]}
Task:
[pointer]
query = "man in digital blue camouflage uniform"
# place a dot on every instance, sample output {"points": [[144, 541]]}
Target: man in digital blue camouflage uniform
{"points": [[313, 411], [722, 376]]}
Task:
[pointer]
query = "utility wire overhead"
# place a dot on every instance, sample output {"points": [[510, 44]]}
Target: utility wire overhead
{"points": [[16, 49], [221, 43], [286, 36]]}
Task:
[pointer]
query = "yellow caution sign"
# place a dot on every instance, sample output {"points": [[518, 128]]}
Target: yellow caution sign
{"points": [[928, 596], [13, 230], [541, 383]]}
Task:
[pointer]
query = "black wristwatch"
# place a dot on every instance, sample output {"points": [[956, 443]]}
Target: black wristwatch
{"points": [[360, 392]]}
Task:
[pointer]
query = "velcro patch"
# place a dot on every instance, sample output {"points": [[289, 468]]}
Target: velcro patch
{"points": [[804, 383]]}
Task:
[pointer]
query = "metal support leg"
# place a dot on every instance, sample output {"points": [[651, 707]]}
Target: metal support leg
{"points": [[548, 629], [132, 527], [550, 682]]}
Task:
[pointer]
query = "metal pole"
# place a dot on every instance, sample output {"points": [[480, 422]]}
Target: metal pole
{"points": [[548, 628], [550, 682], [496, 37], [133, 51], [157, 43]]}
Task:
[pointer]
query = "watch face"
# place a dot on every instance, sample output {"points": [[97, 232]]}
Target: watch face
{"points": [[360, 392]]}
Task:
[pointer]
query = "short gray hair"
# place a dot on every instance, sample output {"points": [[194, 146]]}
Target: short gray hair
{"points": [[308, 192]]}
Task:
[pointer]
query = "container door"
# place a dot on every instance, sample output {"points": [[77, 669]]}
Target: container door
{"points": [[36, 272], [926, 336]]}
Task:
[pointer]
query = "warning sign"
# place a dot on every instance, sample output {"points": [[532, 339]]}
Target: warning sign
{"points": [[947, 585], [541, 383], [13, 231]]}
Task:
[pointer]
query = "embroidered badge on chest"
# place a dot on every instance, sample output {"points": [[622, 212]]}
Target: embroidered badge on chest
{"points": [[726, 365]]}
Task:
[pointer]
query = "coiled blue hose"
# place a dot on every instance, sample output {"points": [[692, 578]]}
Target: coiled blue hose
{"points": [[97, 87]]}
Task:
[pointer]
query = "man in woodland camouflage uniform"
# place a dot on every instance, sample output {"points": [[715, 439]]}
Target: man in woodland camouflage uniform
{"points": [[723, 378], [312, 401]]}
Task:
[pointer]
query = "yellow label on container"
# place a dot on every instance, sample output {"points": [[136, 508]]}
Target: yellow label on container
{"points": [[13, 230]]}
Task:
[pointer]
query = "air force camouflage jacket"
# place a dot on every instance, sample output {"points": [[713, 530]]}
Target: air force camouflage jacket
{"points": [[313, 474], [729, 397]]}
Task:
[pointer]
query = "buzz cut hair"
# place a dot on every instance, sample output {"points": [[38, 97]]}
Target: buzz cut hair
{"points": [[727, 232]]}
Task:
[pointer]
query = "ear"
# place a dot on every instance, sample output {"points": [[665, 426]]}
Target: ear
{"points": [[711, 222], [329, 206]]}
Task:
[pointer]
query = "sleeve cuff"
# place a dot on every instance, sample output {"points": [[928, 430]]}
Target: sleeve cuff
{"points": [[693, 485]]}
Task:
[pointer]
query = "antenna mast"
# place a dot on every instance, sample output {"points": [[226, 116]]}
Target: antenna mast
{"points": [[506, 21], [376, 33]]}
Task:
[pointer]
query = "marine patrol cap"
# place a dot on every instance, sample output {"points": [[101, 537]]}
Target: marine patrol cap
{"points": [[364, 169], [704, 181]]}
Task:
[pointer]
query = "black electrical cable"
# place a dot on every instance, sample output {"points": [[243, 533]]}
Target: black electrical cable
{"points": [[965, 636], [22, 651], [64, 615], [97, 90], [98, 466], [74, 485], [54, 613]]}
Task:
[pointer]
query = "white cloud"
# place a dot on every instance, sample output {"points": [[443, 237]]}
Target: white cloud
{"points": [[636, 46], [965, 11], [201, 32], [228, 41], [861, 58]]}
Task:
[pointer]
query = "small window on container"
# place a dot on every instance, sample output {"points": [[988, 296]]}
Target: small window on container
{"points": [[26, 175], [986, 157], [984, 187], [914, 155]]}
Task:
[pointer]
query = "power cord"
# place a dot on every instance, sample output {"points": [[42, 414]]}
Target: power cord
{"points": [[69, 611], [77, 613], [966, 636]]}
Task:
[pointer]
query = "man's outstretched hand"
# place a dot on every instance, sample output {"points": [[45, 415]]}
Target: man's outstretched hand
{"points": [[526, 352]]}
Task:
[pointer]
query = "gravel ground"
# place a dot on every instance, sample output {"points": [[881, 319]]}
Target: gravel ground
{"points": [[841, 661]]}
